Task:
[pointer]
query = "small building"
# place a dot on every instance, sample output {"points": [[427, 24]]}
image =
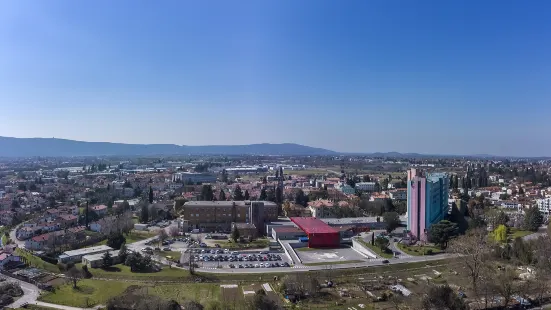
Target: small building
{"points": [[96, 260], [246, 230], [287, 233], [76, 255]]}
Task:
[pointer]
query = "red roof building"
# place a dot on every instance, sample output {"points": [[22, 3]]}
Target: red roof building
{"points": [[320, 235]]}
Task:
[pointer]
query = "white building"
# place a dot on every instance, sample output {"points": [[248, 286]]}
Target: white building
{"points": [[193, 177], [511, 205], [366, 186], [544, 205]]}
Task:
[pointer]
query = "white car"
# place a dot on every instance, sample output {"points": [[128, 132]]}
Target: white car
{"points": [[256, 266], [261, 265]]}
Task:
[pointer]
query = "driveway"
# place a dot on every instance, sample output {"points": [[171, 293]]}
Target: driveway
{"points": [[31, 293]]}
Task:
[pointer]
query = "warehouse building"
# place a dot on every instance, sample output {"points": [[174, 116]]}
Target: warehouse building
{"points": [[320, 235], [75, 256], [96, 260]]}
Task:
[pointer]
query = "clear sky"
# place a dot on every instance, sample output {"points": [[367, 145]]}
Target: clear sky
{"points": [[438, 77]]}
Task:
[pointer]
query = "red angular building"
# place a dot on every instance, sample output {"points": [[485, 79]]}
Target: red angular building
{"points": [[320, 235]]}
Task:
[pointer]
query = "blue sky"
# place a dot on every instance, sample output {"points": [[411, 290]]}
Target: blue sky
{"points": [[439, 77]]}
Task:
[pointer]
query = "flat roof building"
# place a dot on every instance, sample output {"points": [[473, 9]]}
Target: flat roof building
{"points": [[320, 235], [76, 255]]}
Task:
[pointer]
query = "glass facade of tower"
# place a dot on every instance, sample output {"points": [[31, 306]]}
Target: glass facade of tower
{"points": [[427, 201]]}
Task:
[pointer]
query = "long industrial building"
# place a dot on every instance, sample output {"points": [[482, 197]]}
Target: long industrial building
{"points": [[320, 235]]}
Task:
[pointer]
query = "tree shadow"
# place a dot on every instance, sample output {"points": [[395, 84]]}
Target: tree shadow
{"points": [[111, 269]]}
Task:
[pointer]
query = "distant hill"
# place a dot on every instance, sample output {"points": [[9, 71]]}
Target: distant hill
{"points": [[26, 147]]}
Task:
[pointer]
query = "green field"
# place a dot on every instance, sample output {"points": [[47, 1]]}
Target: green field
{"points": [[37, 262], [334, 263], [88, 293], [419, 250], [122, 272], [518, 233], [175, 255], [200, 292], [376, 249]]}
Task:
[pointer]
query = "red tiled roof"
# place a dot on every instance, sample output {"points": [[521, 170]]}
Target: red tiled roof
{"points": [[43, 237], [99, 207]]}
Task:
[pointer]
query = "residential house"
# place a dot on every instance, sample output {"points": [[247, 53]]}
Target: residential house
{"points": [[321, 208], [67, 220], [25, 232], [37, 243], [101, 210]]}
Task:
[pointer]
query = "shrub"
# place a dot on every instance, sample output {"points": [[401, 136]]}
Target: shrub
{"points": [[49, 259], [85, 272], [429, 252]]}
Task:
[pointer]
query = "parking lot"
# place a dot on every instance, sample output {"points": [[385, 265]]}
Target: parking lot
{"points": [[328, 255], [224, 258]]}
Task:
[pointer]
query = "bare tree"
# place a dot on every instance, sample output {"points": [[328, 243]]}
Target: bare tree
{"points": [[504, 285], [473, 250], [74, 275], [173, 231], [162, 235]]}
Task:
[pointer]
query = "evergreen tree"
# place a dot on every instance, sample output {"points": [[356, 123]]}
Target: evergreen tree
{"points": [[235, 235], [263, 195], [222, 195], [238, 194], [107, 259], [247, 196], [206, 193], [279, 195], [532, 219], [144, 214], [150, 194]]}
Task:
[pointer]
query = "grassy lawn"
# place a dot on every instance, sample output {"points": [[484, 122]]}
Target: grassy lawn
{"points": [[175, 255], [256, 244], [376, 249], [518, 233], [135, 236], [5, 239], [334, 263], [89, 292], [37, 262], [419, 250], [201, 292], [122, 272]]}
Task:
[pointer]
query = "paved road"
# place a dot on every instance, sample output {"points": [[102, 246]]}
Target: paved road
{"points": [[31, 293]]}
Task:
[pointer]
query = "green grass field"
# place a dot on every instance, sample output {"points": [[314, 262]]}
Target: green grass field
{"points": [[518, 233], [200, 292], [419, 250], [36, 262], [122, 272], [173, 254], [376, 249], [89, 293], [333, 263]]}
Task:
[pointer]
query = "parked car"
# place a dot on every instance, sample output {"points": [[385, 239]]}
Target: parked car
{"points": [[166, 249]]}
